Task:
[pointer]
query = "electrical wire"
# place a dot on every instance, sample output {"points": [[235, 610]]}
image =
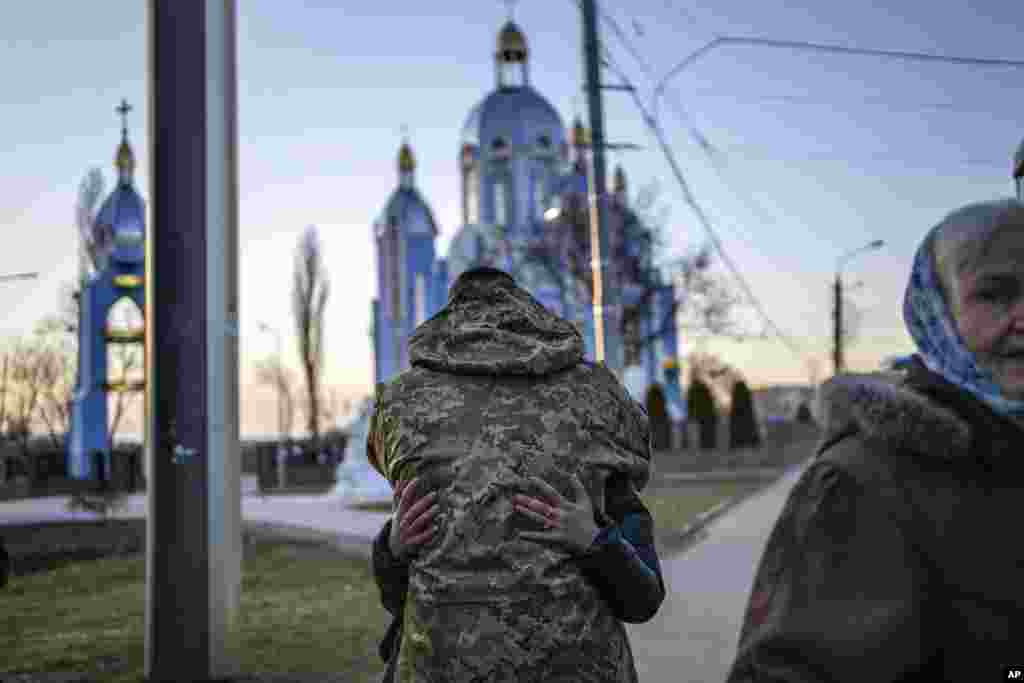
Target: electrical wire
{"points": [[689, 197], [702, 217], [707, 148]]}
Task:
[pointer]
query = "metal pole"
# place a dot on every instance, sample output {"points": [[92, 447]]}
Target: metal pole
{"points": [[837, 351], [838, 361], [193, 567], [279, 378], [607, 338], [280, 387]]}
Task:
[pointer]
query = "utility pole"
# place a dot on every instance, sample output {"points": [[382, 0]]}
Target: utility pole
{"points": [[1018, 171], [193, 521], [838, 363], [837, 349], [607, 337]]}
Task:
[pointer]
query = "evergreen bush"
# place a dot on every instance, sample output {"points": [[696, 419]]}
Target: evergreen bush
{"points": [[657, 413], [743, 431], [701, 405]]}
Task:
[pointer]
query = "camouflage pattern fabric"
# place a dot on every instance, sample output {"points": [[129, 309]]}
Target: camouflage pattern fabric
{"points": [[497, 393]]}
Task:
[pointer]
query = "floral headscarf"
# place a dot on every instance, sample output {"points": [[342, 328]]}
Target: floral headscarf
{"points": [[931, 325]]}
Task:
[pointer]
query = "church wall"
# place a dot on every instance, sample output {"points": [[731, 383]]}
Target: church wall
{"points": [[378, 373], [419, 266], [647, 354], [440, 289]]}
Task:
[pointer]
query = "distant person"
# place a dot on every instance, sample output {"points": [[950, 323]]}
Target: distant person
{"points": [[519, 543], [896, 557]]}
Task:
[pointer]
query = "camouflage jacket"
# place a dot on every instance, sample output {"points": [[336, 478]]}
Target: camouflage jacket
{"points": [[498, 392], [891, 560]]}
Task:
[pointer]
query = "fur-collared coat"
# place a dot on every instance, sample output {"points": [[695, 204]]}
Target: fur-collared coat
{"points": [[897, 556]]}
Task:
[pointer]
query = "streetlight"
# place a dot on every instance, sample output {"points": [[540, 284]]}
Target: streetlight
{"points": [[279, 457], [278, 370], [19, 276], [837, 353]]}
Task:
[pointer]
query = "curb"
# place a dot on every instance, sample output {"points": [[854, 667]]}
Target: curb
{"points": [[696, 531], [352, 545]]}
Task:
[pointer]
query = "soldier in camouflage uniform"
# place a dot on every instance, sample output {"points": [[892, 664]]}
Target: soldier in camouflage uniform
{"points": [[499, 394]]}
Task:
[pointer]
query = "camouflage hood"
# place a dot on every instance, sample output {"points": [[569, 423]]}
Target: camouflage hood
{"points": [[493, 327], [498, 394]]}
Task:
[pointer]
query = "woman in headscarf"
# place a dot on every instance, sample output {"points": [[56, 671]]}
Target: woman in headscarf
{"points": [[897, 556]]}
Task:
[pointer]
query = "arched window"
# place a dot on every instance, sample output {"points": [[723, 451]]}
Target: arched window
{"points": [[539, 198], [472, 195], [420, 299], [500, 148], [501, 202], [126, 369]]}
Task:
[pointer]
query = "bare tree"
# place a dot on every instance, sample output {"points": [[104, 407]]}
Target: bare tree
{"points": [[310, 289], [332, 406], [707, 305], [27, 373], [90, 190], [5, 390], [57, 349], [718, 375], [561, 251], [272, 373]]}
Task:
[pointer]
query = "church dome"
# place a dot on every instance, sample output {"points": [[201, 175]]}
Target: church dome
{"points": [[514, 119], [407, 209], [120, 227]]}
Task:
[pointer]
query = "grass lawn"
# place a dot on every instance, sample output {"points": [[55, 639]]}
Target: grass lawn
{"points": [[305, 609], [673, 508]]}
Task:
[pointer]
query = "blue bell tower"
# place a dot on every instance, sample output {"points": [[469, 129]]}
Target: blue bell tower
{"points": [[116, 248]]}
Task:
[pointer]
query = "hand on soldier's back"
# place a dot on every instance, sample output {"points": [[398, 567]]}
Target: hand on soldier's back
{"points": [[413, 513]]}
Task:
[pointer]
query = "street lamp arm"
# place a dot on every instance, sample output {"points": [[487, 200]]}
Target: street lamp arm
{"points": [[822, 47], [19, 276], [685, 63], [844, 259]]}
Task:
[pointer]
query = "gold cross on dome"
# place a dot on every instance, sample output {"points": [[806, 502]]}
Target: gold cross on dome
{"points": [[123, 111]]}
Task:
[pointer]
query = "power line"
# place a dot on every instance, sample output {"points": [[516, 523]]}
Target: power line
{"points": [[752, 152], [688, 194], [719, 41], [691, 200], [708, 149], [892, 105]]}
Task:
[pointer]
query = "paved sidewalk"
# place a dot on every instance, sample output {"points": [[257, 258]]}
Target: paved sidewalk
{"points": [[693, 637]]}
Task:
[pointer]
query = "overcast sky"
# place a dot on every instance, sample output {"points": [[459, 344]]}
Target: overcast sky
{"points": [[814, 154]]}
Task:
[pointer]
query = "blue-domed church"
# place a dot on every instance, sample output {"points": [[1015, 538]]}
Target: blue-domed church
{"points": [[515, 160]]}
